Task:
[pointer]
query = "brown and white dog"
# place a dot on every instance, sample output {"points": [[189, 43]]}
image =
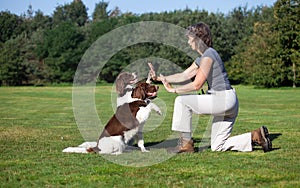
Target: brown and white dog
{"points": [[128, 121]]}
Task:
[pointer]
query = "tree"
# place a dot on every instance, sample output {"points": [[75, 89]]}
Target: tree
{"points": [[75, 12], [100, 12], [11, 26], [287, 13], [60, 49], [257, 47], [261, 65], [40, 21], [13, 68], [256, 60]]}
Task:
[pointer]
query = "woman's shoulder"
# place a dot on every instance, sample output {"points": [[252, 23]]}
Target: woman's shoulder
{"points": [[210, 50]]}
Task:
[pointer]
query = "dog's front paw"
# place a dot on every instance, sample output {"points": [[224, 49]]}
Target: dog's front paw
{"points": [[159, 112], [144, 150]]}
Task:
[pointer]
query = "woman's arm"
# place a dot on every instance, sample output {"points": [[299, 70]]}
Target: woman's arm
{"points": [[203, 72], [201, 76], [189, 73]]}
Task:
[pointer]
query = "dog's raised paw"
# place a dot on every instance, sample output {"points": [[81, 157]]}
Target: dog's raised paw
{"points": [[159, 112]]}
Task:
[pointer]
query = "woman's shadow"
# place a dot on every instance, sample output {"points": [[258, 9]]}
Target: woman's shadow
{"points": [[274, 136], [200, 144]]}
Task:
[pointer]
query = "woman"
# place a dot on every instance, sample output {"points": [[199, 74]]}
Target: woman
{"points": [[220, 101]]}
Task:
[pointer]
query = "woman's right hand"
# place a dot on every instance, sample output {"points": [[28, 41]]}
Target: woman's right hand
{"points": [[152, 72]]}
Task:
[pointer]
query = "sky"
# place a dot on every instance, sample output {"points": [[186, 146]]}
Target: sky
{"points": [[135, 6]]}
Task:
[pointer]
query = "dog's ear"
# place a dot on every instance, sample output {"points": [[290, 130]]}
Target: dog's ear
{"points": [[120, 85], [138, 92]]}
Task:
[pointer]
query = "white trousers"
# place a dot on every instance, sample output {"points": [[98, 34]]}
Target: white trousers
{"points": [[223, 106]]}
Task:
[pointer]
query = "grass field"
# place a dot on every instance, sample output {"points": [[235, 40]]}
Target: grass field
{"points": [[37, 123]]}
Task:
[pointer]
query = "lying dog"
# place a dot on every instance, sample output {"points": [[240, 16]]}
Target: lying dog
{"points": [[128, 121]]}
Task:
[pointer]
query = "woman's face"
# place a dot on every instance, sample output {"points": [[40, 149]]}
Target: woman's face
{"points": [[192, 42]]}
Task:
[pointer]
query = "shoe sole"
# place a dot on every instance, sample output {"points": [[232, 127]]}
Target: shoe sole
{"points": [[267, 146], [176, 150]]}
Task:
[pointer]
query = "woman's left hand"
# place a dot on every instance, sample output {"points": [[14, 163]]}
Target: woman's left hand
{"points": [[167, 85]]}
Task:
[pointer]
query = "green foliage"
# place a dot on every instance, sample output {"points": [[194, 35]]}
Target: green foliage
{"points": [[11, 26], [258, 63], [287, 13], [259, 46], [75, 12], [264, 57], [100, 13], [60, 49], [12, 68]]}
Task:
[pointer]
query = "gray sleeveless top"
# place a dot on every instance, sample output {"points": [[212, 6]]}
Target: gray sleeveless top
{"points": [[217, 79]]}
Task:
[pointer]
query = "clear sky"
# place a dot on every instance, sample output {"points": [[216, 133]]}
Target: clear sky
{"points": [[136, 6]]}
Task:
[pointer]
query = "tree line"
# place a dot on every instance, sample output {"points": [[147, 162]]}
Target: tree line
{"points": [[260, 46]]}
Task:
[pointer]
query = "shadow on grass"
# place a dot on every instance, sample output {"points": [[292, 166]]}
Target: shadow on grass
{"points": [[199, 144], [272, 137], [202, 145], [162, 144]]}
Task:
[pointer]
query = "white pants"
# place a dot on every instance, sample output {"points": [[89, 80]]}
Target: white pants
{"points": [[223, 106]]}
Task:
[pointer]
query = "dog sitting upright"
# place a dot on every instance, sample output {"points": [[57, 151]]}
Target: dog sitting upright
{"points": [[128, 121]]}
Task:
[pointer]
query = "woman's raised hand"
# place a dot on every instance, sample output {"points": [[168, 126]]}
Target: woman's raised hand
{"points": [[152, 72]]}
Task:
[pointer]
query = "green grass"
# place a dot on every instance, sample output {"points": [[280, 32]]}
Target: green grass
{"points": [[37, 123]]}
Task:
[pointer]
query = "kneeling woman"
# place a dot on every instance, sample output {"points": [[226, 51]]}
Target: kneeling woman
{"points": [[220, 101]]}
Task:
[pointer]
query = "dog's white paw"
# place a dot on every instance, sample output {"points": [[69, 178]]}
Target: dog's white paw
{"points": [[144, 150], [159, 112]]}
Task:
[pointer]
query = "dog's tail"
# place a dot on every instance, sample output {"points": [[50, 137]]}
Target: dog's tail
{"points": [[96, 149], [93, 150]]}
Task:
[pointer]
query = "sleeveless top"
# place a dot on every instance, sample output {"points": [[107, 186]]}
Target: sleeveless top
{"points": [[217, 79]]}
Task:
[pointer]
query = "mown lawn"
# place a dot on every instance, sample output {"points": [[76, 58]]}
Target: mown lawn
{"points": [[37, 123]]}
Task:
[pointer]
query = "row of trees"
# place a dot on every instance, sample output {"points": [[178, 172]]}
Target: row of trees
{"points": [[260, 46]]}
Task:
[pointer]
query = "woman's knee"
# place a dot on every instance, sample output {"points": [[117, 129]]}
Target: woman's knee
{"points": [[178, 99]]}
